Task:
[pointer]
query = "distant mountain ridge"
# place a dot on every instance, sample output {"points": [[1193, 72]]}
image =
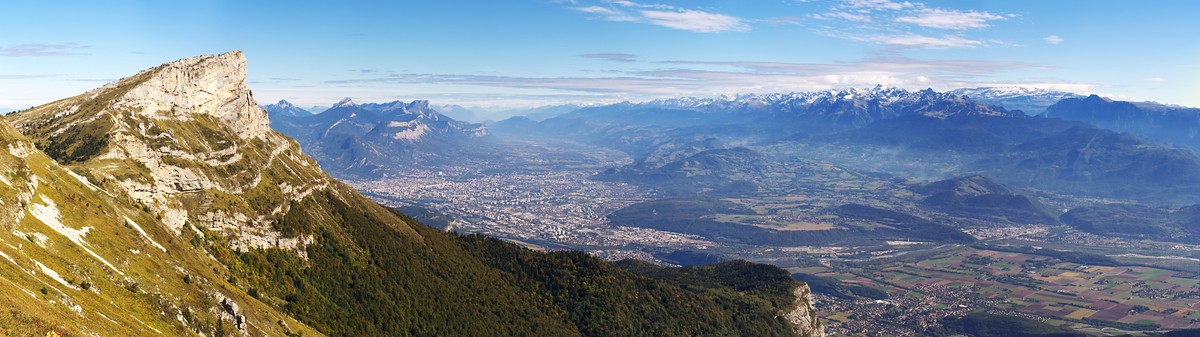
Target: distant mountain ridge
{"points": [[901, 131], [367, 139], [1172, 124], [828, 110], [284, 109], [1031, 101], [980, 196]]}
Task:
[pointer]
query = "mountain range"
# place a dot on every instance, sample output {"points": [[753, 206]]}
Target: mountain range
{"points": [[284, 109], [799, 112], [370, 139], [924, 134], [1164, 123], [1031, 101], [163, 203]]}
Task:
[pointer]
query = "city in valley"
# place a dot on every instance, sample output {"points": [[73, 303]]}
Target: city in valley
{"points": [[543, 196]]}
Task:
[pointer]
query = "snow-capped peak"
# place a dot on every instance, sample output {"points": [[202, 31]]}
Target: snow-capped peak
{"points": [[345, 102]]}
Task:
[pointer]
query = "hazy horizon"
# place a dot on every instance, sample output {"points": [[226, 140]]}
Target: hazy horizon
{"points": [[538, 53]]}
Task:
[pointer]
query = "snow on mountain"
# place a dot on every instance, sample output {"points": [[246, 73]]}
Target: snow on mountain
{"points": [[345, 102], [861, 104], [285, 108], [1030, 100]]}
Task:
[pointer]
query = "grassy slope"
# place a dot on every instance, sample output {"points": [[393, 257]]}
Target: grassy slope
{"points": [[149, 296]]}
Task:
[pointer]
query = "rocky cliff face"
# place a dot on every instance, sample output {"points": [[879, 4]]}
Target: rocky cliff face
{"points": [[804, 317], [373, 139], [210, 85], [77, 259], [177, 138]]}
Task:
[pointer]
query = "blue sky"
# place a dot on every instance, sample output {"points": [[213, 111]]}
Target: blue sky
{"points": [[536, 52]]}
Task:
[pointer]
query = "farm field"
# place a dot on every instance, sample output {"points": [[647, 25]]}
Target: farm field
{"points": [[966, 279]]}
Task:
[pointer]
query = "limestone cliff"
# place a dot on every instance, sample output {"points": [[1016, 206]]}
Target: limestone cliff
{"points": [[179, 138], [213, 85], [79, 260], [804, 317]]}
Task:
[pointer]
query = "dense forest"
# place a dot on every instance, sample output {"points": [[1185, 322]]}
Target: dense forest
{"points": [[363, 277]]}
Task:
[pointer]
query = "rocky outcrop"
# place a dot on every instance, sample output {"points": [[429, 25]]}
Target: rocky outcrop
{"points": [[803, 318], [213, 85], [179, 136], [230, 311]]}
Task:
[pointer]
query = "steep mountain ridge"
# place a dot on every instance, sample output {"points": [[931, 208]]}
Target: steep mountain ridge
{"points": [[1172, 124], [365, 140], [179, 150], [243, 210], [284, 109], [86, 262]]}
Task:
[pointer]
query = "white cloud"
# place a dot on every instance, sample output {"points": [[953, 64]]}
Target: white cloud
{"points": [[667, 16], [696, 21], [632, 4], [1120, 97], [907, 24], [780, 20], [879, 4], [921, 41], [950, 19], [1155, 79], [708, 78], [1053, 39], [841, 15], [44, 49], [1078, 88], [597, 10], [24, 76], [607, 13], [618, 57]]}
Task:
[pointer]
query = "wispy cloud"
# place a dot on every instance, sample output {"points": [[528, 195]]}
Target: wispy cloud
{"points": [[696, 21], [693, 20], [367, 71], [921, 41], [879, 4], [906, 24], [619, 57], [106, 80], [780, 20], [841, 15], [607, 13], [44, 49], [24, 77], [1155, 79], [950, 19], [706, 78], [1053, 39]]}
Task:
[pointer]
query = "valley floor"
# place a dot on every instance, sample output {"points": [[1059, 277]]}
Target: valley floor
{"points": [[543, 198]]}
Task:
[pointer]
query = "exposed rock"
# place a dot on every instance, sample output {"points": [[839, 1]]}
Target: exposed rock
{"points": [[231, 311], [211, 85], [178, 136], [804, 317]]}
